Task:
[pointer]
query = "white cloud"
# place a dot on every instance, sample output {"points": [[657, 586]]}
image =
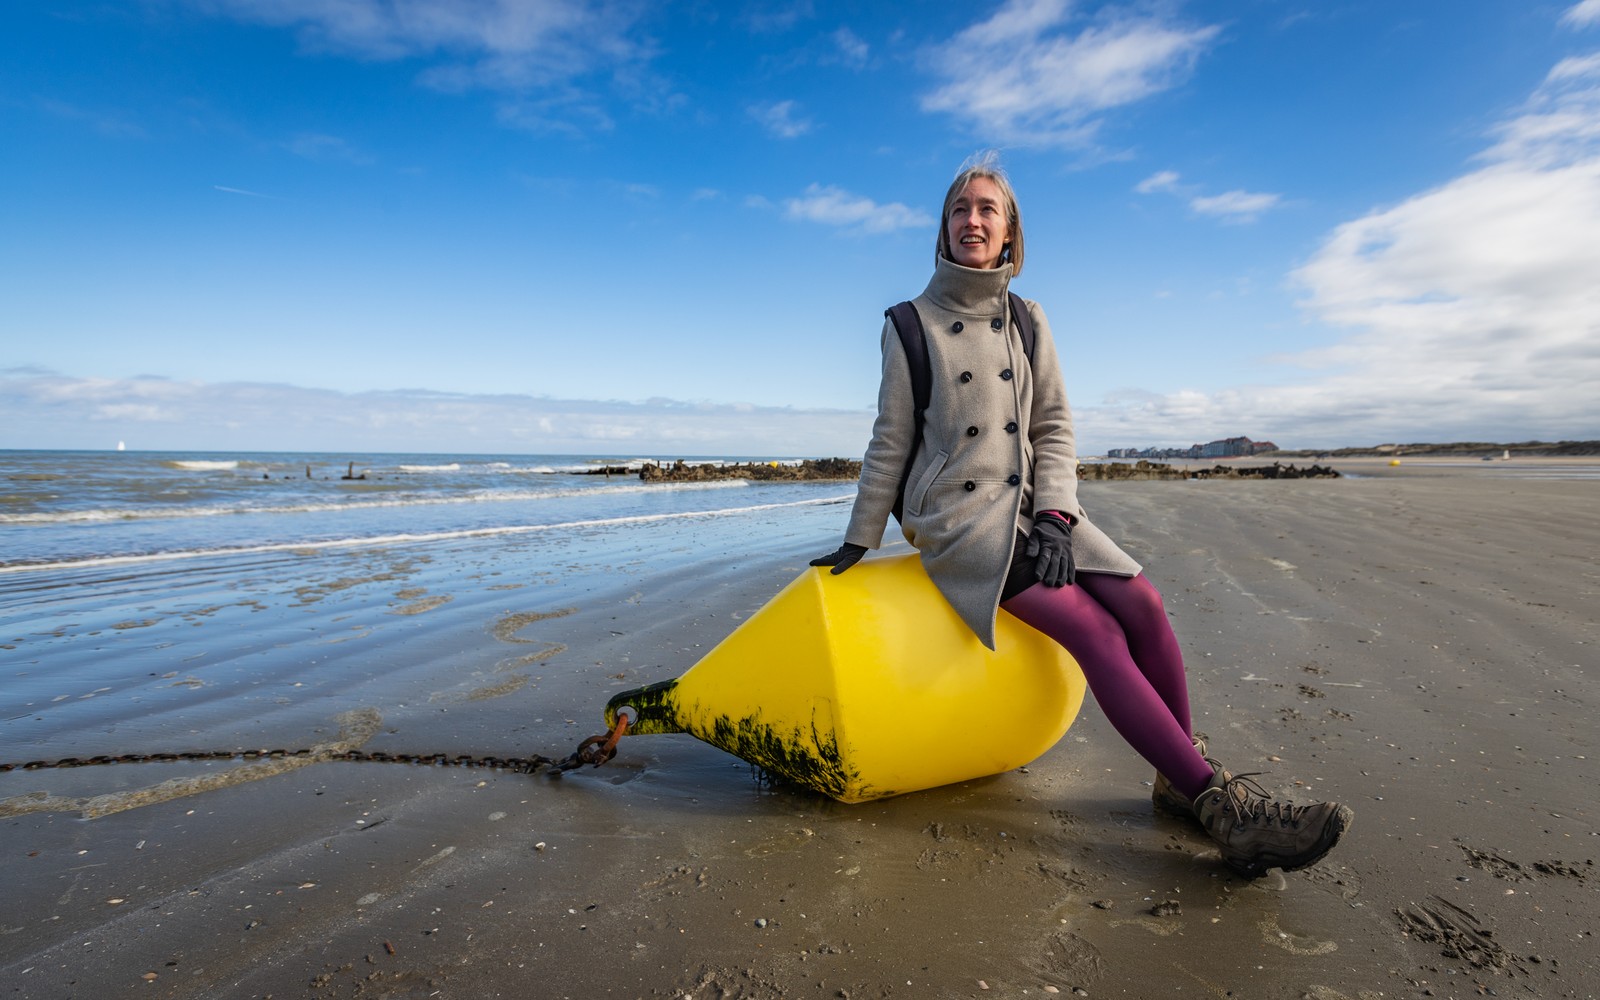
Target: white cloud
{"points": [[1021, 76], [1575, 68], [1231, 206], [853, 51], [146, 413], [530, 49], [832, 206], [313, 146], [487, 30], [1238, 206], [1582, 15], [1165, 180], [106, 124], [779, 119], [776, 18], [557, 110], [50, 410], [1561, 122], [1472, 309]]}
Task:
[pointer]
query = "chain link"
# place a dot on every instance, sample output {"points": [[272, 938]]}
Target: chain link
{"points": [[595, 750]]}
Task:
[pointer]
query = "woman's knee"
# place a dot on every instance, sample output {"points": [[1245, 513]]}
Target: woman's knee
{"points": [[1147, 598], [1134, 600]]}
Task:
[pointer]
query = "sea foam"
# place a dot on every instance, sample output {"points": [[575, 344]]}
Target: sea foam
{"points": [[202, 465], [413, 538]]}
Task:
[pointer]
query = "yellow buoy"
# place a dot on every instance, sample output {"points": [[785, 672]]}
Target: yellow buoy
{"points": [[866, 685], [1394, 461]]}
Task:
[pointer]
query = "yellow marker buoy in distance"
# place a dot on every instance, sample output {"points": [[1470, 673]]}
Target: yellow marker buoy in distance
{"points": [[1394, 461], [866, 685]]}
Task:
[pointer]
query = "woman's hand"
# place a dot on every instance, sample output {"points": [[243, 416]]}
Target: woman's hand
{"points": [[1050, 546], [842, 558]]}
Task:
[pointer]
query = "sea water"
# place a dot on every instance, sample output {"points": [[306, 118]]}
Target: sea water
{"points": [[67, 509], [158, 601]]}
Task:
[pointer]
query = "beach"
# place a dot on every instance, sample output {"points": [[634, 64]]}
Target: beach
{"points": [[1416, 641]]}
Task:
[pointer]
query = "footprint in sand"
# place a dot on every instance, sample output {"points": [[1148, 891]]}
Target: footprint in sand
{"points": [[510, 685], [417, 607], [507, 629], [1294, 944]]}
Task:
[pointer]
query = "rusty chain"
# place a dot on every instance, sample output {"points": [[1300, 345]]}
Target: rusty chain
{"points": [[595, 750]]}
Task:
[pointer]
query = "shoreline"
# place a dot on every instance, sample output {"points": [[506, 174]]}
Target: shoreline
{"points": [[1376, 466], [1416, 645]]}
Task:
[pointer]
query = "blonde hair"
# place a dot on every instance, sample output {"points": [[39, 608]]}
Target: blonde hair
{"points": [[985, 165]]}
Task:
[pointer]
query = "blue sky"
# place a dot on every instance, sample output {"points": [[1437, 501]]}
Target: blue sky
{"points": [[633, 228]]}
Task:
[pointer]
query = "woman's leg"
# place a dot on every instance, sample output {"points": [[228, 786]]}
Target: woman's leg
{"points": [[1136, 605], [1092, 634]]}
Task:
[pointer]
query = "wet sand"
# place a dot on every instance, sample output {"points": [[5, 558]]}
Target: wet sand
{"points": [[1418, 645]]}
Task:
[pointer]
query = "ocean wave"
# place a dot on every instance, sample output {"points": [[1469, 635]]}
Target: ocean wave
{"points": [[507, 469], [452, 467], [90, 562], [112, 514], [202, 465]]}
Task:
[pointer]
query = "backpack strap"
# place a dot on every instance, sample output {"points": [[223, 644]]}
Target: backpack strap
{"points": [[908, 324], [1019, 316], [915, 341]]}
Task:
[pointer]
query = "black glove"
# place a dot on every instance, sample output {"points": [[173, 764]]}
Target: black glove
{"points": [[842, 558], [1050, 546]]}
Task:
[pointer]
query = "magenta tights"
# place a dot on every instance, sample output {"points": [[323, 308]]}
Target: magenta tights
{"points": [[1116, 628]]}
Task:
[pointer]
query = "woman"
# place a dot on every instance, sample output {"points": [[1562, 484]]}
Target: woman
{"points": [[991, 503]]}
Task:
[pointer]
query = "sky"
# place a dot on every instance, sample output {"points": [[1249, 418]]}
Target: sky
{"points": [[640, 228]]}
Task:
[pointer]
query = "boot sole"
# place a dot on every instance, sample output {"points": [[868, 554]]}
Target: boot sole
{"points": [[1332, 830]]}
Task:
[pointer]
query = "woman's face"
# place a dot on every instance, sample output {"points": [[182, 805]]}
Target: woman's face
{"points": [[978, 229]]}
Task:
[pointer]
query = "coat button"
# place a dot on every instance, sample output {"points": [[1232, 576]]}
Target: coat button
{"points": [[969, 486], [957, 327], [972, 432], [966, 376], [1011, 428], [1015, 479], [996, 323], [1006, 374]]}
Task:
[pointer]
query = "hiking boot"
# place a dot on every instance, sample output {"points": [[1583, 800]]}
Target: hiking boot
{"points": [[1168, 799], [1256, 833]]}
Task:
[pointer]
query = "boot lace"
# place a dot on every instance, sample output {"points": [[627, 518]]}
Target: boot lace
{"points": [[1254, 804]]}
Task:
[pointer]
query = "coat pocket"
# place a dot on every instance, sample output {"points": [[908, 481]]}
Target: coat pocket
{"points": [[919, 489]]}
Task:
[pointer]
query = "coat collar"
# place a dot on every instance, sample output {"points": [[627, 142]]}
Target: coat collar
{"points": [[967, 290]]}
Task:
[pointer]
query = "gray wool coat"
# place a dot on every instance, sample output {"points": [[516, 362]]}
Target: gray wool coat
{"points": [[997, 447]]}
